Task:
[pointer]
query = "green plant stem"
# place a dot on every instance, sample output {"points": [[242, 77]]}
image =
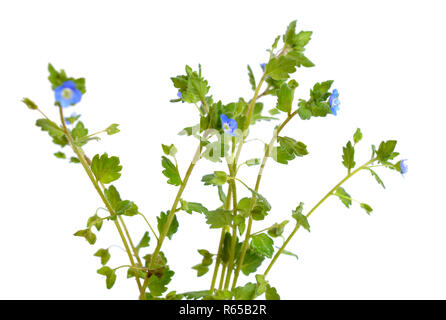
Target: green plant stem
{"points": [[329, 193], [171, 215], [234, 232], [220, 246], [87, 169], [222, 278], [256, 188]]}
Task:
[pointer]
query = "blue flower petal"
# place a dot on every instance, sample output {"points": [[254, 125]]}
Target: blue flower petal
{"points": [[66, 101], [334, 102], [403, 166], [229, 125], [179, 95]]}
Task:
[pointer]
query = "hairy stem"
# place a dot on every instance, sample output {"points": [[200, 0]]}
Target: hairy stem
{"points": [[87, 169]]}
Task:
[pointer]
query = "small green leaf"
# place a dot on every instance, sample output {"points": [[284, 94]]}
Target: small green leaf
{"points": [[252, 79], [252, 162], [366, 207], [377, 178], [262, 284], [158, 284], [276, 230], [219, 218], [348, 156], [104, 254], [357, 136], [60, 155], [106, 169], [385, 150], [30, 104], [54, 131], [300, 217], [271, 294], [343, 196], [79, 134], [263, 245], [162, 220], [87, 234], [280, 68], [169, 150], [217, 178], [247, 292], [289, 253], [285, 96], [74, 160], [110, 276], [112, 129], [171, 172], [144, 242], [203, 267], [251, 262], [190, 207], [95, 221]]}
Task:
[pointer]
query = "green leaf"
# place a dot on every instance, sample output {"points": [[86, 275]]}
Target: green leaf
{"points": [[104, 254], [110, 276], [262, 284], [112, 129], [276, 230], [271, 294], [252, 162], [252, 79], [280, 68], [348, 156], [169, 150], [30, 104], [95, 221], [79, 134], [288, 150], [217, 178], [162, 220], [366, 207], [87, 234], [203, 267], [247, 292], [158, 284], [192, 86], [221, 194], [144, 242], [357, 136], [227, 244], [106, 169], [171, 172], [54, 131], [74, 160], [219, 218], [60, 155], [377, 178], [300, 217], [112, 195], [263, 245], [190, 207], [385, 150], [127, 208], [343, 196], [251, 262], [285, 96]]}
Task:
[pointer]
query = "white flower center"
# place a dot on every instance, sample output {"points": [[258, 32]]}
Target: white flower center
{"points": [[67, 93], [226, 127]]}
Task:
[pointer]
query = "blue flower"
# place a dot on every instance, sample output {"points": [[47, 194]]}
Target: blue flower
{"points": [[229, 125], [403, 166], [263, 66], [67, 94], [179, 95], [334, 102]]}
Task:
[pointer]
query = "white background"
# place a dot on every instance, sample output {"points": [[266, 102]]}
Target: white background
{"points": [[387, 59]]}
